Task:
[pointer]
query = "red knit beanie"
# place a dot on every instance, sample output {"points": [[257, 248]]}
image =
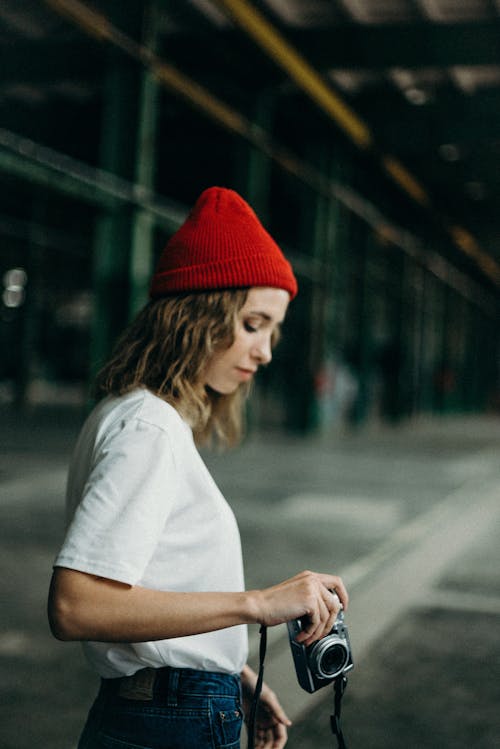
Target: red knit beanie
{"points": [[221, 245]]}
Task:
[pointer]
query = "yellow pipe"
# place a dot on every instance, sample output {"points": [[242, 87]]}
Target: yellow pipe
{"points": [[470, 246], [405, 180], [200, 97], [97, 25], [93, 22], [297, 68], [247, 17]]}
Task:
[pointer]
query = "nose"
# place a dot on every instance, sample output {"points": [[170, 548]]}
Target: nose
{"points": [[262, 350]]}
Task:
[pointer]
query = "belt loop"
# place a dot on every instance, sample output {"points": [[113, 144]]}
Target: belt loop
{"points": [[173, 686]]}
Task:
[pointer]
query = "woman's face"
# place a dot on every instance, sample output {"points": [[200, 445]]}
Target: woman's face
{"points": [[260, 317]]}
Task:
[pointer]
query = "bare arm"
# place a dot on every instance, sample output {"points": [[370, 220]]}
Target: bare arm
{"points": [[86, 607]]}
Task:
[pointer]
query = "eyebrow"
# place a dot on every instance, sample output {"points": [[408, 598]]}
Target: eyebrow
{"points": [[261, 314], [264, 316]]}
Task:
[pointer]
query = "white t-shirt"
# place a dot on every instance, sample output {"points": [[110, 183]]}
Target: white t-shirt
{"points": [[143, 509]]}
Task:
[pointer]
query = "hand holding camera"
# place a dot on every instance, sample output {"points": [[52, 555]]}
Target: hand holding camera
{"points": [[307, 596], [319, 664], [312, 606]]}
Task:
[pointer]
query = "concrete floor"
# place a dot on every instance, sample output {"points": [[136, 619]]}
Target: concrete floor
{"points": [[408, 516]]}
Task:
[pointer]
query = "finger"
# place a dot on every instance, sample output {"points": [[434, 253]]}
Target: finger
{"points": [[314, 633], [333, 582], [310, 622], [332, 606], [309, 625], [280, 736], [267, 739], [331, 600], [331, 621]]}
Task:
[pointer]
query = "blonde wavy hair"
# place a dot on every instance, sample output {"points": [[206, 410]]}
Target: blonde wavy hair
{"points": [[166, 349]]}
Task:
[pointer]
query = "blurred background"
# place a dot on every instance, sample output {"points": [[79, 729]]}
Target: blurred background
{"points": [[366, 135]]}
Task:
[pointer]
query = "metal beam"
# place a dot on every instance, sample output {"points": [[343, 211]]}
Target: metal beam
{"points": [[298, 69], [99, 27], [25, 159], [277, 48], [143, 225], [353, 46]]}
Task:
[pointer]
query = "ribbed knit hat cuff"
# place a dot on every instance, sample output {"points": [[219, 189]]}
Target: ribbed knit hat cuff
{"points": [[256, 269]]}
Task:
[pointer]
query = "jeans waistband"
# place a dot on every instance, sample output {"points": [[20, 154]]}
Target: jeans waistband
{"points": [[170, 683]]}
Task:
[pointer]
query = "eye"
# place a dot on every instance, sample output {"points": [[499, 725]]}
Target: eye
{"points": [[249, 327]]}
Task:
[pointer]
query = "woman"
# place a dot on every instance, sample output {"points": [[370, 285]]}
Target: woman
{"points": [[150, 575]]}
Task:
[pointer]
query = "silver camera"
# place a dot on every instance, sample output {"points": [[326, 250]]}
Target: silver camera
{"points": [[320, 663]]}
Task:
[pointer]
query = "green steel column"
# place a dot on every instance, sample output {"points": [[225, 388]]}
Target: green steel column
{"points": [[403, 326], [362, 353], [319, 306], [391, 351], [252, 178], [310, 305], [415, 333], [113, 229], [429, 343], [461, 353], [257, 166], [487, 349], [439, 323], [443, 370], [330, 407], [30, 313], [142, 251], [476, 356], [325, 238], [468, 359], [449, 374]]}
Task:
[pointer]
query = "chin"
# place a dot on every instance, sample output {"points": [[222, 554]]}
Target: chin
{"points": [[223, 390]]}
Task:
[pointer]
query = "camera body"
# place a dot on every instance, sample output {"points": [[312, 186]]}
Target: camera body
{"points": [[320, 663]]}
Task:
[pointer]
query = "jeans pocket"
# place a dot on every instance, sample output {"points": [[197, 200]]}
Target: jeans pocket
{"points": [[227, 721]]}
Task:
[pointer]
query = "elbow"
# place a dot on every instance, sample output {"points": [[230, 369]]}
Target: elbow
{"points": [[64, 611], [62, 620]]}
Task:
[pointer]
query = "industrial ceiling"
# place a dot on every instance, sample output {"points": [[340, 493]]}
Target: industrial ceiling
{"points": [[410, 87]]}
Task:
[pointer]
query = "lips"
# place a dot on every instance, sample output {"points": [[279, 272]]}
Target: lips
{"points": [[246, 373]]}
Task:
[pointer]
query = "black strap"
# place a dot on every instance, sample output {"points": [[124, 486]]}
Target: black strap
{"points": [[339, 686], [258, 688]]}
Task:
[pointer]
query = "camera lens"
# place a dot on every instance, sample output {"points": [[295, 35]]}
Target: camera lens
{"points": [[328, 657], [333, 660]]}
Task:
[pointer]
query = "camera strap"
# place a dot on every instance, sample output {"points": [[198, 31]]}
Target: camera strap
{"points": [[258, 688], [339, 688]]}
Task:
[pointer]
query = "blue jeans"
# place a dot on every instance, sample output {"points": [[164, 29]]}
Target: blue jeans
{"points": [[166, 708]]}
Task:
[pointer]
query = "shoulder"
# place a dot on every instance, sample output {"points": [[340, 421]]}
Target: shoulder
{"points": [[139, 413], [152, 410]]}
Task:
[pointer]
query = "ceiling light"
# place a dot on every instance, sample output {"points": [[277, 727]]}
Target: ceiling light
{"points": [[449, 152], [416, 96]]}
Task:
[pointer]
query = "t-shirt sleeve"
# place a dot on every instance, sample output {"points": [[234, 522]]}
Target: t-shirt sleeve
{"points": [[124, 505]]}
